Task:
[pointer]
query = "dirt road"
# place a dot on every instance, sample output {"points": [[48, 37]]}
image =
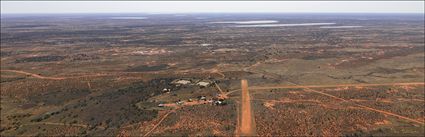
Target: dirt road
{"points": [[309, 88], [52, 78], [339, 85], [33, 75], [326, 86], [247, 125], [363, 106], [104, 74], [159, 122], [222, 94], [368, 108], [175, 107], [71, 77], [58, 124], [216, 71]]}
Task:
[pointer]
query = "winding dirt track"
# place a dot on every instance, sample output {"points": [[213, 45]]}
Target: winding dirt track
{"points": [[247, 125]]}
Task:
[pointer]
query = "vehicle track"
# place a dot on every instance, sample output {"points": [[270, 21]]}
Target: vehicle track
{"points": [[175, 108], [34, 75], [339, 85], [99, 74], [159, 122], [58, 124], [55, 78], [327, 86], [246, 127], [216, 71], [363, 106], [222, 94], [368, 108]]}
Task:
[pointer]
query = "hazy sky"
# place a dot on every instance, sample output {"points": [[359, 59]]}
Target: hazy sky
{"points": [[210, 6]]}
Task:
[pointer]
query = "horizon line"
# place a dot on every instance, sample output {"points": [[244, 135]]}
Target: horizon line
{"points": [[153, 13]]}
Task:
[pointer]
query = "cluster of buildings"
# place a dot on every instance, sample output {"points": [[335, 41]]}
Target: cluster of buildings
{"points": [[192, 82], [200, 100], [202, 83]]}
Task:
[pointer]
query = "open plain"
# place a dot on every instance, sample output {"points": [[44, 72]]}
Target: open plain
{"points": [[180, 75]]}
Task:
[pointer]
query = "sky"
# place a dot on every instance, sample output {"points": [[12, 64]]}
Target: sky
{"points": [[211, 6]]}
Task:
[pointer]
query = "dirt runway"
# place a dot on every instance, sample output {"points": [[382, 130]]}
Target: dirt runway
{"points": [[247, 125]]}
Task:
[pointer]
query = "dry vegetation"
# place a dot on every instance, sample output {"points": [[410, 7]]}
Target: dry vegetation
{"points": [[91, 75]]}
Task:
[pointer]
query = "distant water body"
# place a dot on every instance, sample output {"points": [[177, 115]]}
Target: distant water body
{"points": [[339, 27], [284, 25], [128, 18], [247, 22]]}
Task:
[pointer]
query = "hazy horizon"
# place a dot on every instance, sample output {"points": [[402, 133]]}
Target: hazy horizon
{"points": [[194, 13], [178, 7]]}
